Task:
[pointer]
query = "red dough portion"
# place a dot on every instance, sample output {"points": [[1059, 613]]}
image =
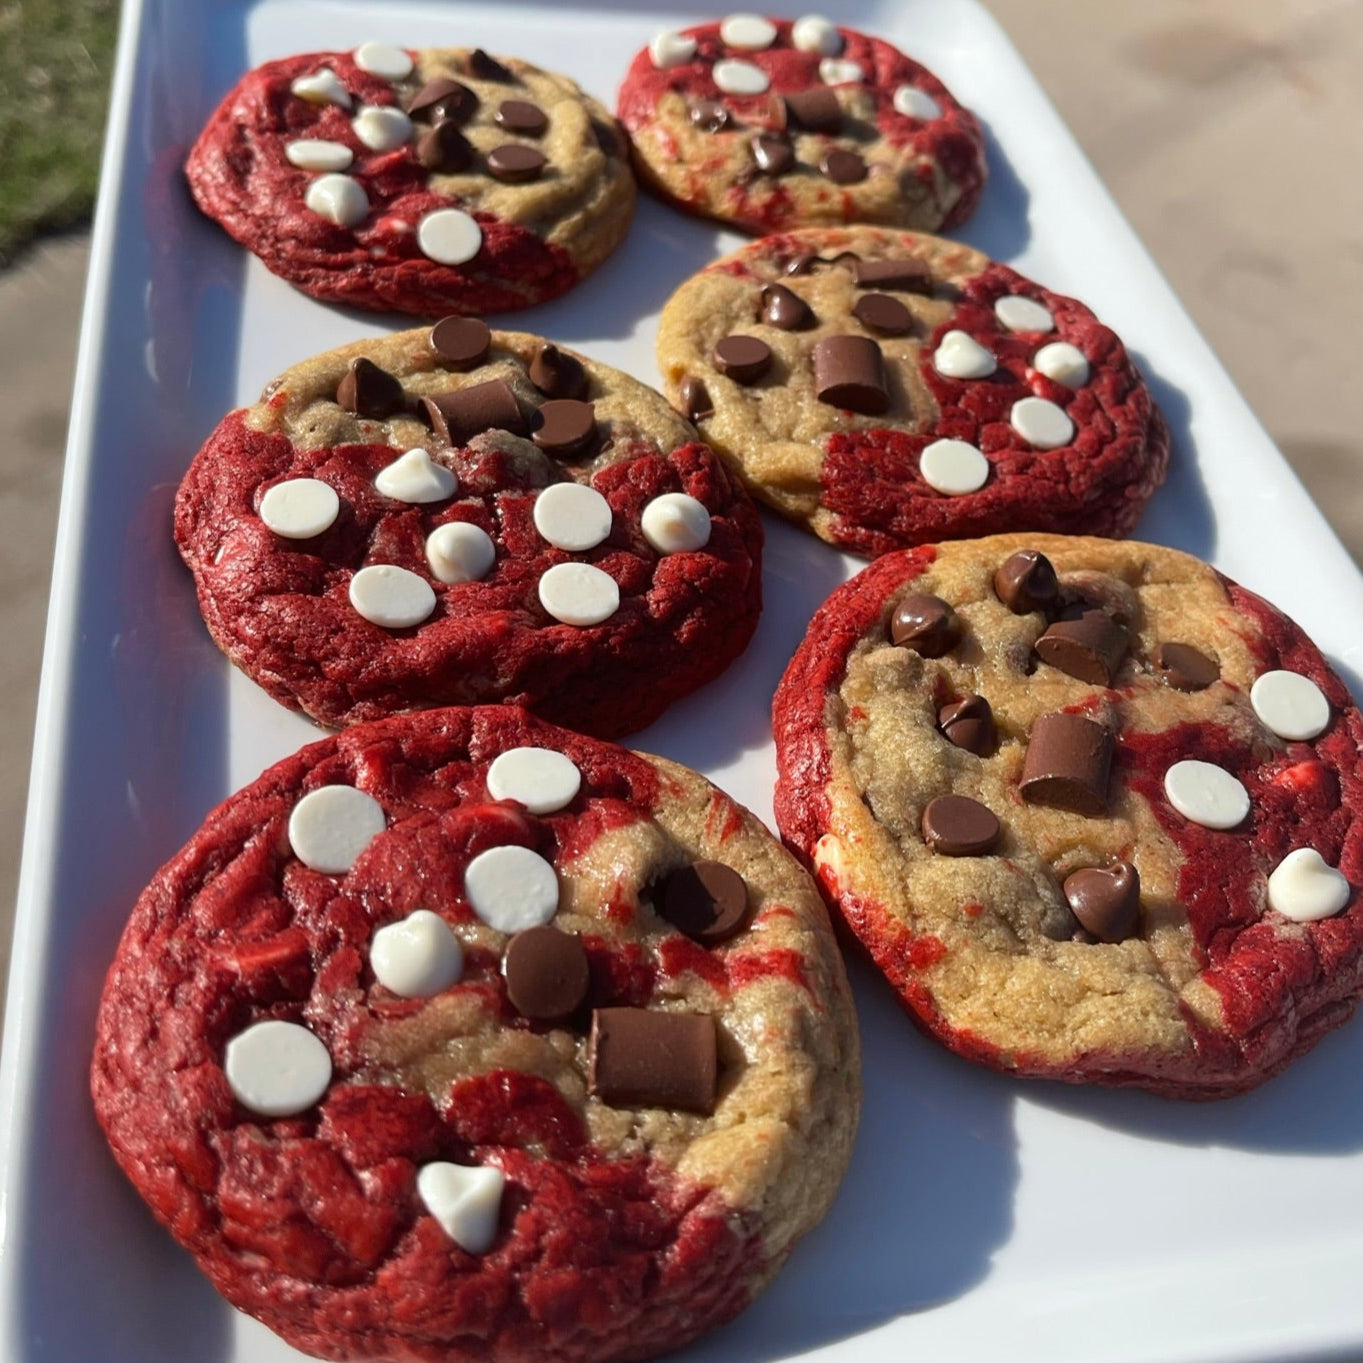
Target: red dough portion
{"points": [[281, 609], [240, 177], [1098, 484]]}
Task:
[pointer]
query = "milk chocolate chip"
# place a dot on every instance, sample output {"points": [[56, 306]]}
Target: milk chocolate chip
{"points": [[709, 115], [843, 167], [785, 309], [695, 399], [557, 375], [564, 426], [461, 342], [903, 276], [1069, 758], [957, 826], [1185, 668], [1106, 902], [443, 99], [803, 263], [520, 116], [1026, 581], [444, 149], [515, 164], [1090, 648], [850, 373], [817, 110], [742, 358], [707, 900], [969, 724], [926, 624], [368, 390], [772, 154], [643, 1058], [460, 415], [488, 68], [880, 312], [547, 975]]}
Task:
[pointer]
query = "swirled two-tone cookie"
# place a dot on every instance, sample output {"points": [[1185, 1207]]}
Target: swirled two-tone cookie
{"points": [[769, 124], [462, 1038], [426, 182], [887, 389], [452, 516], [1092, 809]]}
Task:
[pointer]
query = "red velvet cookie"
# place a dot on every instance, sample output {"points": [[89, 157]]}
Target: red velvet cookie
{"points": [[901, 389], [453, 516], [769, 124], [1091, 808], [413, 181], [461, 1038]]}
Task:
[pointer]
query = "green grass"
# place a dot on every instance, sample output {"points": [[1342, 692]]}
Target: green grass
{"points": [[56, 57]]}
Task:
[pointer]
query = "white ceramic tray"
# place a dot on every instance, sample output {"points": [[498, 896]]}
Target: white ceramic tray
{"points": [[983, 1219]]}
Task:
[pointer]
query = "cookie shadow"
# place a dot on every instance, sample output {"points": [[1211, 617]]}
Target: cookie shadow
{"points": [[1001, 226], [927, 1201]]}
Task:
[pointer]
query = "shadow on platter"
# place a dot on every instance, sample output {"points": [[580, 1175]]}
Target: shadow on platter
{"points": [[1001, 226]]}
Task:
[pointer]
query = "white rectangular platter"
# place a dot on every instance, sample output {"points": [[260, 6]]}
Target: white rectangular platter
{"points": [[982, 1219]]}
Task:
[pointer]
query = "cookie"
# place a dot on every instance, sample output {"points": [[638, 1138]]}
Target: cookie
{"points": [[770, 125], [461, 1038], [1092, 809], [425, 182], [452, 515], [900, 389]]}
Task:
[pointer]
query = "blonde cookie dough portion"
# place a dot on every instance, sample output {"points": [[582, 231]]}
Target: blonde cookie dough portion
{"points": [[1006, 975]]}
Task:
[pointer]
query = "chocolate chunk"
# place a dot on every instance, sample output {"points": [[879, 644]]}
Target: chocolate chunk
{"points": [[644, 1058], [908, 275], [744, 359], [849, 373], [695, 399], [817, 110], [1106, 902], [557, 375], [957, 826], [520, 116], [444, 149], [1185, 668], [1090, 648], [443, 99], [710, 116], [1026, 581], [969, 724], [773, 154], [368, 390], [803, 263], [785, 309], [547, 975], [1069, 758], [707, 900], [456, 417], [488, 68], [516, 164], [926, 624], [461, 342], [843, 167], [880, 312], [564, 426]]}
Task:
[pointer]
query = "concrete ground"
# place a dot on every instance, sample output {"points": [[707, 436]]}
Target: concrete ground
{"points": [[1225, 129]]}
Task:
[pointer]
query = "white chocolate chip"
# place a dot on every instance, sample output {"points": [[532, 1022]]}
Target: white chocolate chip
{"points": [[338, 199], [671, 49], [539, 778], [1062, 362], [579, 594], [737, 77], [416, 477], [1023, 314], [381, 128], [572, 516], [814, 33], [314, 153], [838, 71], [750, 31], [322, 87], [1306, 888], [1041, 423], [912, 102], [460, 552], [1293, 706], [449, 236], [675, 523], [417, 957], [299, 508], [383, 60], [465, 1199], [277, 1068], [953, 467], [330, 826], [1206, 794], [391, 596], [960, 356], [511, 888]]}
